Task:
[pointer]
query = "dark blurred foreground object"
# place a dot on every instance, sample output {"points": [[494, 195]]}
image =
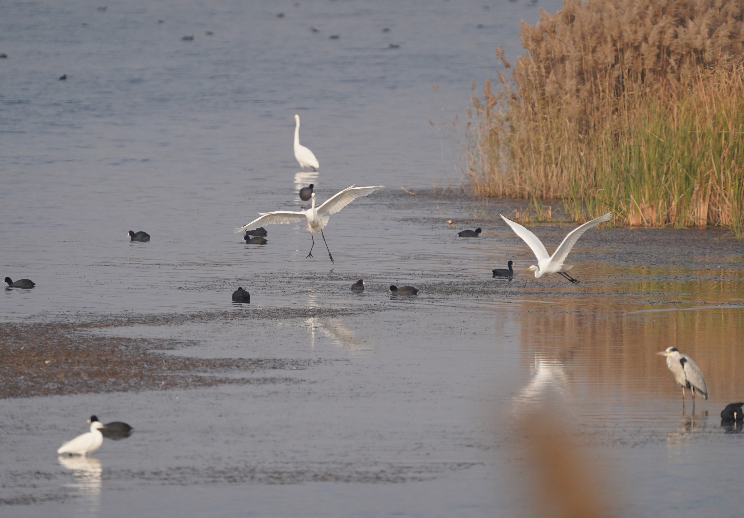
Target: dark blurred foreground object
{"points": [[503, 272], [358, 285], [115, 431], [306, 192], [470, 233], [732, 413], [258, 240], [260, 231], [139, 236], [403, 290], [26, 284], [240, 295]]}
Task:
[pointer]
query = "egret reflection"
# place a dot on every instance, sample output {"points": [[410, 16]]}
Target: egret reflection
{"points": [[86, 474], [549, 377], [331, 328]]}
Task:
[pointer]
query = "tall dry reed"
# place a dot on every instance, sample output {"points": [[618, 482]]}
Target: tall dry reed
{"points": [[636, 106]]}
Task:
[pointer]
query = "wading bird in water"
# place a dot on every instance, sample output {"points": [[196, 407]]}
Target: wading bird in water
{"points": [[317, 217], [553, 264], [686, 373], [304, 156]]}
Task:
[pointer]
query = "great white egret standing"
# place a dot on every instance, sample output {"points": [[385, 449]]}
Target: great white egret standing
{"points": [[304, 156], [317, 217], [85, 443], [553, 264]]}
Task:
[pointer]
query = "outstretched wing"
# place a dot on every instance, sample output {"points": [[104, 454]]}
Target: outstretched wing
{"points": [[528, 237], [273, 218], [565, 247], [341, 199]]}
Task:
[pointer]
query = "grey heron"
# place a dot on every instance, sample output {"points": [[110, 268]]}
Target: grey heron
{"points": [[303, 155], [504, 272], [553, 264], [470, 233], [25, 284], [317, 217], [686, 372]]}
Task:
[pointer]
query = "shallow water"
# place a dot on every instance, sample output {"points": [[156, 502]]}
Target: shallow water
{"points": [[387, 405]]}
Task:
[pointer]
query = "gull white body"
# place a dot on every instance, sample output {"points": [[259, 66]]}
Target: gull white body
{"points": [[553, 263], [304, 156], [85, 443], [316, 217]]}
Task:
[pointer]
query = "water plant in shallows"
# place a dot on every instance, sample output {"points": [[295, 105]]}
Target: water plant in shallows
{"points": [[631, 106]]}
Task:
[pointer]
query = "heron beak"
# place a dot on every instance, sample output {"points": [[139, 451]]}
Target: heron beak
{"points": [[661, 353]]}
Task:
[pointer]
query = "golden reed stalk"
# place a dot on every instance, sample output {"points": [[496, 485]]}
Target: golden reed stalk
{"points": [[633, 106]]}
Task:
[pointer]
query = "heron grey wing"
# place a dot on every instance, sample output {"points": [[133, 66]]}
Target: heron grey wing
{"points": [[274, 218], [528, 237], [342, 198], [694, 375], [565, 247]]}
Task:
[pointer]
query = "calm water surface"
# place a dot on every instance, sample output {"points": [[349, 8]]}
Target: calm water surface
{"points": [[414, 410]]}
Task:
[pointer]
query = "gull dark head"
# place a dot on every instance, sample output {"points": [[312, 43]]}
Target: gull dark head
{"points": [[93, 419]]}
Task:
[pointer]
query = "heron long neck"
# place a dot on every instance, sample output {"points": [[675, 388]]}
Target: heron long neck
{"points": [[297, 133]]}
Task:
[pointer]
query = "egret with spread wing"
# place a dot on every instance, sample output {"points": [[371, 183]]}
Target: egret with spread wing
{"points": [[317, 217], [553, 263]]}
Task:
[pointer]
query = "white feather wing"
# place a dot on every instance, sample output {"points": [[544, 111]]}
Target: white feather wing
{"points": [[341, 199], [565, 247], [274, 218], [528, 237]]}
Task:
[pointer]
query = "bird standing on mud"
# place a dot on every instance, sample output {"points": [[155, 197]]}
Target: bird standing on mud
{"points": [[686, 372], [317, 217]]}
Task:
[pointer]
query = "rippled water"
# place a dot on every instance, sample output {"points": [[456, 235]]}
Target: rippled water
{"points": [[413, 408]]}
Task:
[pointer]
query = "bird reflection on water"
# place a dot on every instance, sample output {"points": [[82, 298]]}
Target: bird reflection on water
{"points": [[337, 332], [550, 377], [86, 474]]}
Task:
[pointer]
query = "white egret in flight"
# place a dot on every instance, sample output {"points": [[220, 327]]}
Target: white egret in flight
{"points": [[317, 217], [553, 264], [304, 156]]}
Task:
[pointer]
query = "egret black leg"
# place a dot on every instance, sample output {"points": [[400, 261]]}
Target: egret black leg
{"points": [[311, 248], [326, 243], [568, 277]]}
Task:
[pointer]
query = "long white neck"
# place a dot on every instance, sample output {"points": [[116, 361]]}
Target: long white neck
{"points": [[297, 133]]}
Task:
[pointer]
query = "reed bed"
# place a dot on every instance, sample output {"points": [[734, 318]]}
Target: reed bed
{"points": [[632, 106]]}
